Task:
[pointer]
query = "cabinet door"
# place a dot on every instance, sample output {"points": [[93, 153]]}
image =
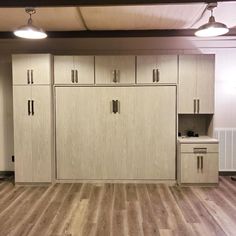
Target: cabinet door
{"points": [[199, 168], [115, 70], [41, 134], [32, 69], [41, 66], [21, 69], [205, 83], [137, 142], [22, 134], [187, 83], [209, 168], [84, 69], [157, 69]]}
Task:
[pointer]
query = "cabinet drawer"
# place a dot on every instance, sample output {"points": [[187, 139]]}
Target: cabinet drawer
{"points": [[199, 148]]}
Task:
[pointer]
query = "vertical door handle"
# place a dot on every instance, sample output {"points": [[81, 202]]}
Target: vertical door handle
{"points": [[157, 75], [153, 75], [202, 163], [198, 162], [76, 76], [72, 76], [114, 106], [32, 76], [194, 105], [32, 107], [117, 76], [29, 112], [28, 77], [198, 105], [114, 76]]}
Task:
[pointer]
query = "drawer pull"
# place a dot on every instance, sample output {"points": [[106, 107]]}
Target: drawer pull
{"points": [[200, 150], [157, 75], [198, 163], [28, 76], [202, 163], [72, 76]]}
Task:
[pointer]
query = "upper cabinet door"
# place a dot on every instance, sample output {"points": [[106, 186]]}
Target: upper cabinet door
{"points": [[196, 84], [32, 69], [205, 84], [161, 69], [115, 70], [74, 69], [84, 69], [187, 83]]}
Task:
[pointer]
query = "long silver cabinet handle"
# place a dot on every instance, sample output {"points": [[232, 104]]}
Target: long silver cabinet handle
{"points": [[32, 76], [72, 76], [194, 106], [28, 76], [198, 105], [198, 163], [202, 163], [114, 79], [32, 107], [76, 76], [157, 75], [29, 112], [153, 75]]}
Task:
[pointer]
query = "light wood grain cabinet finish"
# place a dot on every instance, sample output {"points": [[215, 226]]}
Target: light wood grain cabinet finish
{"points": [[199, 165], [28, 69], [196, 84], [115, 70], [157, 69], [32, 133], [115, 132], [74, 70]]}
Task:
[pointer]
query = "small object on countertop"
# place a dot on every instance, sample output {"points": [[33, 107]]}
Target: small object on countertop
{"points": [[196, 135], [190, 133], [179, 134]]}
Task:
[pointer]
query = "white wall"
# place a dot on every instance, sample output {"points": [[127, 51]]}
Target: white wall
{"points": [[225, 50]]}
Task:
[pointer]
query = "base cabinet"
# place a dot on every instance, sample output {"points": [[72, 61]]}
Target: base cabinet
{"points": [[198, 165], [116, 132], [32, 133]]}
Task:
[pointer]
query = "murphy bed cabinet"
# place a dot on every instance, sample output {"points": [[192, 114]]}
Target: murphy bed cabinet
{"points": [[116, 133], [198, 161], [115, 70], [74, 70], [157, 69], [196, 84], [33, 127]]}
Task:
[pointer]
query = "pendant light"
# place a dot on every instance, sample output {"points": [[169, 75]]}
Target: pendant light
{"points": [[29, 31], [212, 28]]}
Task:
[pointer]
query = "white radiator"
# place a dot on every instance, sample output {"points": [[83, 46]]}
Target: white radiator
{"points": [[227, 148]]}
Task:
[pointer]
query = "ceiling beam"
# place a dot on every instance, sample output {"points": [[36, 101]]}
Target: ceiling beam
{"points": [[67, 3], [118, 34]]}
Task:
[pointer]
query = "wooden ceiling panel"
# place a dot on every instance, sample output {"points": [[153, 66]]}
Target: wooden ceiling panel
{"points": [[141, 17], [56, 19]]}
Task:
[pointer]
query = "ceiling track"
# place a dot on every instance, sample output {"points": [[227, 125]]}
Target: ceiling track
{"points": [[89, 3], [119, 34]]}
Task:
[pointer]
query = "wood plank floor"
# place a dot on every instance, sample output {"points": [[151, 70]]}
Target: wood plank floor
{"points": [[118, 209]]}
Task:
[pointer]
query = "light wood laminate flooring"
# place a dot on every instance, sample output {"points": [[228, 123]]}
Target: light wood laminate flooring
{"points": [[118, 209]]}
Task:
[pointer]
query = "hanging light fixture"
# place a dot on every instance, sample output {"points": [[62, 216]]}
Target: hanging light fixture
{"points": [[29, 31], [212, 28]]}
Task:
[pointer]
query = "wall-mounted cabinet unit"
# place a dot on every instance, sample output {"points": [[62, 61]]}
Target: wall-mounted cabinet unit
{"points": [[198, 161], [116, 133], [157, 69], [74, 70], [115, 70], [32, 69], [33, 123], [196, 84]]}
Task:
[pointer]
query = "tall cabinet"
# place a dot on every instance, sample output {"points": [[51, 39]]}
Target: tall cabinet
{"points": [[33, 135]]}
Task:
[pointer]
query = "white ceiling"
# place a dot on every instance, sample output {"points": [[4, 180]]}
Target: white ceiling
{"points": [[118, 18]]}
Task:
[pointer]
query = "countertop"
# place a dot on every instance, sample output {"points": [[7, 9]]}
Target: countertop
{"points": [[200, 139]]}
